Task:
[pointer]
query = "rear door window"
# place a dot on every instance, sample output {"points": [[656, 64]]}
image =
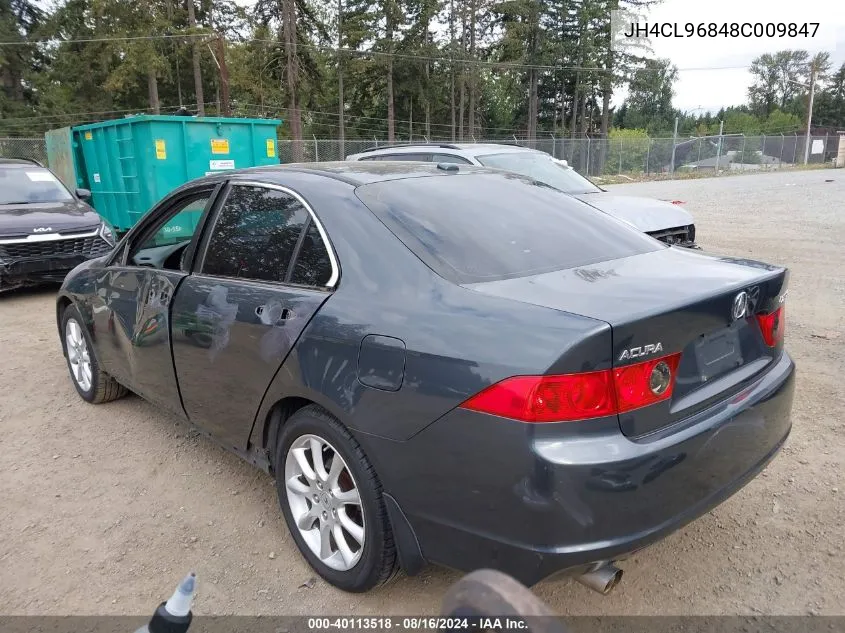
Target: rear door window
{"points": [[476, 227], [255, 235]]}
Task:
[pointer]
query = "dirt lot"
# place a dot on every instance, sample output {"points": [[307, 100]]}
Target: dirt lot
{"points": [[105, 508]]}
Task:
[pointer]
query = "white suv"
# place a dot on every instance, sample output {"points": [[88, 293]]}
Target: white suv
{"points": [[663, 220]]}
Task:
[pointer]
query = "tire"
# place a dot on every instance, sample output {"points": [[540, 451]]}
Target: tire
{"points": [[101, 387], [374, 562]]}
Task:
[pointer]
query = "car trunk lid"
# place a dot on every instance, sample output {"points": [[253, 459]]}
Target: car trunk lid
{"points": [[671, 301]]}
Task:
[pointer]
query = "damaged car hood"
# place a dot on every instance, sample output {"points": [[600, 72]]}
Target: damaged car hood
{"points": [[646, 214]]}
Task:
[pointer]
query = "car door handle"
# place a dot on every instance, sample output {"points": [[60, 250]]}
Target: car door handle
{"points": [[273, 313]]}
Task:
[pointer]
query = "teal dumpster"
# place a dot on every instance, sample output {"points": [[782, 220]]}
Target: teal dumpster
{"points": [[130, 164]]}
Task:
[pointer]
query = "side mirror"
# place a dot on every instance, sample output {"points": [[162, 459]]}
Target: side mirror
{"points": [[83, 194]]}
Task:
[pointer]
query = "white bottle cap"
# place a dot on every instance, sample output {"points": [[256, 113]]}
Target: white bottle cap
{"points": [[180, 602]]}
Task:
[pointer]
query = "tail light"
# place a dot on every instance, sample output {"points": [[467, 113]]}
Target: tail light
{"points": [[569, 397], [772, 326], [548, 398], [645, 383]]}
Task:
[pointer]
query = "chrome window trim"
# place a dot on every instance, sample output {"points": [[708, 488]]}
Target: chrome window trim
{"points": [[328, 245], [49, 237]]}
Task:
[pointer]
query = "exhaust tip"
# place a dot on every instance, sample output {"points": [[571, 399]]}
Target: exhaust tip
{"points": [[603, 580], [615, 580]]}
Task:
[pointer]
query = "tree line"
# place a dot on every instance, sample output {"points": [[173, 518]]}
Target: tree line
{"points": [[390, 69], [332, 68]]}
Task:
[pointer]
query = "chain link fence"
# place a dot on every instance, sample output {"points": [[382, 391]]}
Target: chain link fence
{"points": [[592, 157], [28, 148], [598, 157]]}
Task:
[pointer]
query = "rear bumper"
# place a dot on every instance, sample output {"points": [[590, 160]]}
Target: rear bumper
{"points": [[538, 500]]}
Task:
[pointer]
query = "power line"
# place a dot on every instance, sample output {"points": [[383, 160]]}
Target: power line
{"points": [[419, 122], [363, 53], [102, 112], [110, 38]]}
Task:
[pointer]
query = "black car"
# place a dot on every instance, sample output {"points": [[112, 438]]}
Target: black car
{"points": [[45, 230], [443, 364]]}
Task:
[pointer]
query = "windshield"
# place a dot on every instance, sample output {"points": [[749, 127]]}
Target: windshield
{"points": [[486, 226], [29, 185], [543, 168]]}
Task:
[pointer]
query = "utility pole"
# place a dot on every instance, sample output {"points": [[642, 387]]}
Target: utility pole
{"points": [[192, 23], [224, 75], [813, 71], [674, 145], [341, 106], [719, 150]]}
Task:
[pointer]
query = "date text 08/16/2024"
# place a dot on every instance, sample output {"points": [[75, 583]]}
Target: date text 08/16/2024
{"points": [[724, 29], [422, 623]]}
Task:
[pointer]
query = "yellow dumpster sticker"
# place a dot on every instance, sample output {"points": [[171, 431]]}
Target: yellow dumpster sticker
{"points": [[89, 135], [161, 149], [271, 148], [219, 146]]}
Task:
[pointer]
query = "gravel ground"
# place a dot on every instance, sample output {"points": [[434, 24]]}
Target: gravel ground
{"points": [[105, 508]]}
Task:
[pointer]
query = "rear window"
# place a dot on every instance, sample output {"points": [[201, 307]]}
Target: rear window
{"points": [[484, 226]]}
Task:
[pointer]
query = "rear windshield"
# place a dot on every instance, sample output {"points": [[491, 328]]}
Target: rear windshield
{"points": [[486, 226], [542, 167], [30, 185]]}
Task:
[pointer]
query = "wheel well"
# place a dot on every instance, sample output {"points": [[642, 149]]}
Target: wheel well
{"points": [[279, 414], [61, 305]]}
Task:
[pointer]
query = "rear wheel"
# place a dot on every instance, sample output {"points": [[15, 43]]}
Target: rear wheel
{"points": [[92, 384], [332, 502]]}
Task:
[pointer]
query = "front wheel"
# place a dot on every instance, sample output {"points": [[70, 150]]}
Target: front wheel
{"points": [[332, 502], [92, 384]]}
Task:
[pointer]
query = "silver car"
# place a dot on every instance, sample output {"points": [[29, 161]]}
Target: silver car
{"points": [[665, 221]]}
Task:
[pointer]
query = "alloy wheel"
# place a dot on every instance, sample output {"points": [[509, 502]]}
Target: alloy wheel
{"points": [[79, 358], [325, 502]]}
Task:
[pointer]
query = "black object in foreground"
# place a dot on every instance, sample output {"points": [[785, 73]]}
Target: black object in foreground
{"points": [[490, 599], [174, 616]]}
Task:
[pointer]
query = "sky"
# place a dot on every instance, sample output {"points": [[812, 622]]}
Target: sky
{"points": [[712, 89]]}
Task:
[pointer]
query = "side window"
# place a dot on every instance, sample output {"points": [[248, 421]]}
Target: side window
{"points": [[450, 158], [313, 266], [423, 158], [171, 236], [255, 235], [417, 158]]}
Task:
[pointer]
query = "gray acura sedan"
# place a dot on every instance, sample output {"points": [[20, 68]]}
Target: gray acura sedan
{"points": [[442, 364]]}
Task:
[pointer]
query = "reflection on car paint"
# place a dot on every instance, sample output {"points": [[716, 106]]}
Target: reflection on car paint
{"points": [[219, 315], [152, 317]]}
